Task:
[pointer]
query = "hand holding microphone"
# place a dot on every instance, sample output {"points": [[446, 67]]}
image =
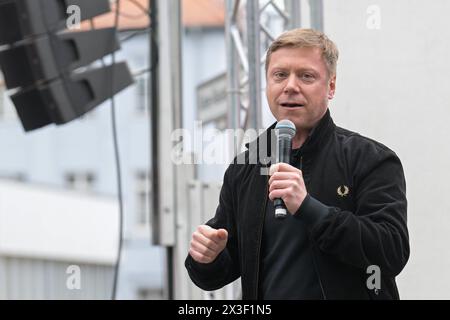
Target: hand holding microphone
{"points": [[286, 185]]}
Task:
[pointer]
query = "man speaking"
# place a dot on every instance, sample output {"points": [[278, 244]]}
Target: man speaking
{"points": [[345, 195]]}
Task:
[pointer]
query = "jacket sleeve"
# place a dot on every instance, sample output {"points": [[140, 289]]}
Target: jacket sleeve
{"points": [[376, 233], [225, 268]]}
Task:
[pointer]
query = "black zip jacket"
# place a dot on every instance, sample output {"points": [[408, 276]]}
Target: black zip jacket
{"points": [[356, 211]]}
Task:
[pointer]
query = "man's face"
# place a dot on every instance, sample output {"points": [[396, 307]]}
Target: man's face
{"points": [[298, 86]]}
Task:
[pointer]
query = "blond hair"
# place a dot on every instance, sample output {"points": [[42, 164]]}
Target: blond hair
{"points": [[299, 38]]}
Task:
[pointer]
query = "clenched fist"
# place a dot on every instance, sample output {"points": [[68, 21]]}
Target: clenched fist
{"points": [[207, 243]]}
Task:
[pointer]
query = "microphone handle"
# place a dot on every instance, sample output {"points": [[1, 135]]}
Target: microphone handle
{"points": [[284, 155]]}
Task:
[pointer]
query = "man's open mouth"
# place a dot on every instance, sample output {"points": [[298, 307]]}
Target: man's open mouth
{"points": [[292, 105]]}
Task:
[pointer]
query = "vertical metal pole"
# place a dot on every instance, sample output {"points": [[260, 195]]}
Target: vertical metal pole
{"points": [[177, 28], [176, 31], [167, 118], [154, 94], [293, 7], [254, 62], [316, 14], [233, 98]]}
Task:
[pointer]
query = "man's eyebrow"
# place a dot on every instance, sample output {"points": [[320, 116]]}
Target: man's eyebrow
{"points": [[309, 69], [283, 68], [278, 68]]}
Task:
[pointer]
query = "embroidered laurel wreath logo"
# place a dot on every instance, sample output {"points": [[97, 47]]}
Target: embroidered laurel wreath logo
{"points": [[343, 191]]}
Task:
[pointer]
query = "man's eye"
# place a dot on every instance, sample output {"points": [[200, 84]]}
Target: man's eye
{"points": [[308, 77], [280, 75]]}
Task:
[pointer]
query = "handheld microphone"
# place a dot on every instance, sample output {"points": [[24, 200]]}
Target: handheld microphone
{"points": [[285, 131]]}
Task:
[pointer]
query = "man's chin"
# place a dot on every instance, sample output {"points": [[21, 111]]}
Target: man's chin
{"points": [[299, 122]]}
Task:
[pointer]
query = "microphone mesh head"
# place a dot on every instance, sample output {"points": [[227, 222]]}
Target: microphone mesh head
{"points": [[286, 127]]}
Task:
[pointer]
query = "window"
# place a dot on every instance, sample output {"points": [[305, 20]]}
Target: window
{"points": [[81, 181], [17, 176], [149, 294], [142, 94], [142, 198]]}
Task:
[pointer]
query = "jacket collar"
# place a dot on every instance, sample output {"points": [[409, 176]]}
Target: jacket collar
{"points": [[319, 134]]}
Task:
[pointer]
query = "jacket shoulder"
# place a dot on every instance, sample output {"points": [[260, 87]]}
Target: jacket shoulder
{"points": [[356, 143], [363, 155]]}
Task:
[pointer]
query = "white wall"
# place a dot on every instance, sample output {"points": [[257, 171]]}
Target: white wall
{"points": [[37, 279], [52, 224], [393, 86], [45, 230]]}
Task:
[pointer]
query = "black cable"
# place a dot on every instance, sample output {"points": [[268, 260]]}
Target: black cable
{"points": [[116, 147], [117, 160], [153, 117], [141, 7], [134, 34], [131, 16], [148, 29], [141, 72], [117, 157], [114, 128]]}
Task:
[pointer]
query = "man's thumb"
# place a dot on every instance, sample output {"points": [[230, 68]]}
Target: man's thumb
{"points": [[222, 234]]}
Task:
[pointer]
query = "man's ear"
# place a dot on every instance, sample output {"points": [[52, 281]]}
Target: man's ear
{"points": [[332, 87]]}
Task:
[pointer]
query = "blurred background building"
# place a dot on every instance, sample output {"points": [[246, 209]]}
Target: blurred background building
{"points": [[58, 198], [78, 158]]}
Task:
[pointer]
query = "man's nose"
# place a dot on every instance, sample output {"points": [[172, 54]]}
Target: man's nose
{"points": [[292, 85]]}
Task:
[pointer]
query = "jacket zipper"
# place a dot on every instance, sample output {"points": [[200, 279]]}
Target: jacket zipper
{"points": [[312, 251], [260, 238], [260, 235], [318, 274]]}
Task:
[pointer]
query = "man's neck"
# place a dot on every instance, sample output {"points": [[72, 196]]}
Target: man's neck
{"points": [[300, 138]]}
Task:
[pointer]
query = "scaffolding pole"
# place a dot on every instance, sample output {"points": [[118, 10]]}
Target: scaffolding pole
{"points": [[254, 64], [166, 117], [233, 98]]}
